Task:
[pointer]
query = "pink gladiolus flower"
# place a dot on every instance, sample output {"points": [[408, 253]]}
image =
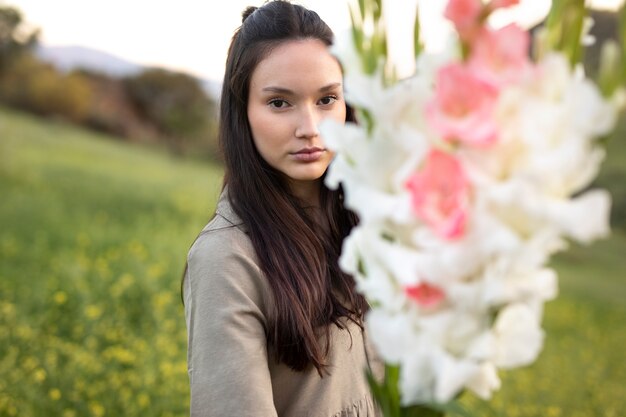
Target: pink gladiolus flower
{"points": [[463, 106], [501, 57], [425, 295], [440, 194], [465, 15]]}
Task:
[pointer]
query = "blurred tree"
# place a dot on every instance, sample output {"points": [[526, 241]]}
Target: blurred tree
{"points": [[112, 111], [38, 87], [15, 37], [176, 103]]}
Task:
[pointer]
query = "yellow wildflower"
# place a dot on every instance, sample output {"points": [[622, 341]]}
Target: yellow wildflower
{"points": [[54, 394], [143, 400], [93, 312], [39, 375], [59, 297], [96, 409]]}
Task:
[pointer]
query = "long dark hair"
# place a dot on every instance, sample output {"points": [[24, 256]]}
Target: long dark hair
{"points": [[299, 258]]}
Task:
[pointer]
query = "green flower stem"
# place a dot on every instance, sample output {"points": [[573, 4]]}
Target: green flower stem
{"points": [[575, 19], [622, 41], [418, 47], [611, 69], [564, 26], [387, 395]]}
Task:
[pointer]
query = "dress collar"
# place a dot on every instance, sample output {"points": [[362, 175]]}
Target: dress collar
{"points": [[225, 209]]}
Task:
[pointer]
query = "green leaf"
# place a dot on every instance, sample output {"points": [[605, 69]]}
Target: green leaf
{"points": [[575, 19], [387, 395], [392, 377], [377, 45], [371, 62], [364, 116], [564, 26], [418, 47], [381, 396], [611, 67], [622, 40], [357, 31], [362, 8], [553, 25], [361, 266], [378, 9]]}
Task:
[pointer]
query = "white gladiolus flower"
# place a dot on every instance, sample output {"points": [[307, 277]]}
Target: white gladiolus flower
{"points": [[373, 170], [518, 336], [574, 216], [455, 268], [485, 381], [460, 259], [371, 278], [391, 334], [521, 287], [548, 127], [417, 374], [452, 376]]}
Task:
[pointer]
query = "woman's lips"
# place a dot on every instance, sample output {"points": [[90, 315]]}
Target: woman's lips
{"points": [[309, 154]]}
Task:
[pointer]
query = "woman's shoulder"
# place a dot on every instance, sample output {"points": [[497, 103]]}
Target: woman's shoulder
{"points": [[224, 235], [219, 241], [222, 260]]}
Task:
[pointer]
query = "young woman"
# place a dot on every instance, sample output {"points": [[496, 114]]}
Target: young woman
{"points": [[274, 326]]}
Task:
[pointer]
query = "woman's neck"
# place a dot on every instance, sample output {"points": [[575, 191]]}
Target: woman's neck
{"points": [[307, 191]]}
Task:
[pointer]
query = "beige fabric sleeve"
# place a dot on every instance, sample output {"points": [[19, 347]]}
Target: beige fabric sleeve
{"points": [[224, 310]]}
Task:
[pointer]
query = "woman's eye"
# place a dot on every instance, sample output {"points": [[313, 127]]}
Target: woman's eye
{"points": [[328, 100], [278, 103]]}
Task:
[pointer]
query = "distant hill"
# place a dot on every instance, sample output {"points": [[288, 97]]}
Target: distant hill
{"points": [[67, 58]]}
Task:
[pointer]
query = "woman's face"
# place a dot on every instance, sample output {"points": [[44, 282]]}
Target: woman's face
{"points": [[296, 86]]}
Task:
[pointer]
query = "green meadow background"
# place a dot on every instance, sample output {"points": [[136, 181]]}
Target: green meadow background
{"points": [[93, 237]]}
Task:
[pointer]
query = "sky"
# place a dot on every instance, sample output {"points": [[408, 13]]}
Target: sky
{"points": [[193, 35]]}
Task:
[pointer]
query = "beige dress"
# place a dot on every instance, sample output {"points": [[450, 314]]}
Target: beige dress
{"points": [[230, 372]]}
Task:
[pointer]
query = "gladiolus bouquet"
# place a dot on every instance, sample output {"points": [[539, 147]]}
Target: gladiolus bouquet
{"points": [[467, 176]]}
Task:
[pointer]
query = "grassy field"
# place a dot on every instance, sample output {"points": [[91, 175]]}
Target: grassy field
{"points": [[92, 246], [93, 239]]}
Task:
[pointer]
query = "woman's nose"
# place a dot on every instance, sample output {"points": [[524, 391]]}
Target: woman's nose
{"points": [[307, 124]]}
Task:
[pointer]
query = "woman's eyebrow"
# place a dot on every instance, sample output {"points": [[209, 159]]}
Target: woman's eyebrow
{"points": [[286, 91], [329, 87], [279, 90]]}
